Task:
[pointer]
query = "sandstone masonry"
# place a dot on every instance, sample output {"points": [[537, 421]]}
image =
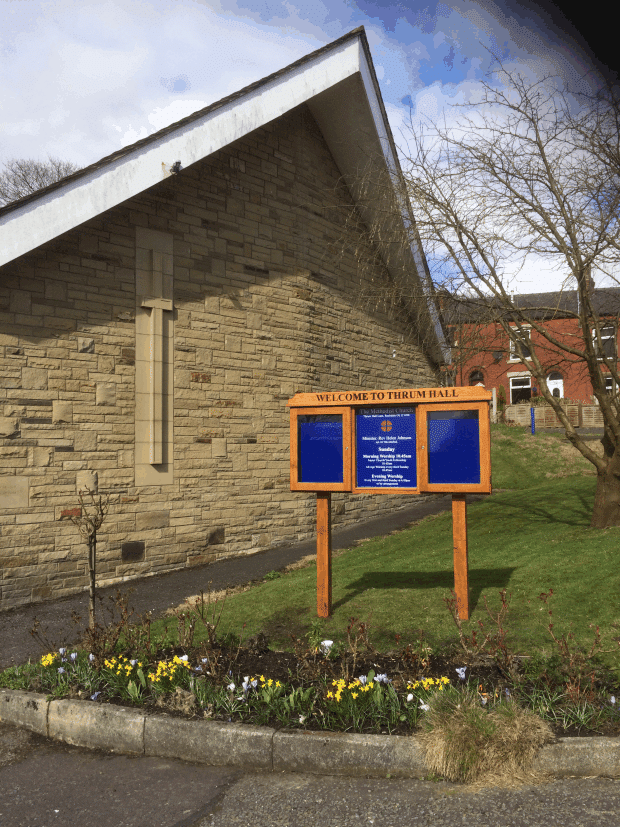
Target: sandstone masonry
{"points": [[259, 298]]}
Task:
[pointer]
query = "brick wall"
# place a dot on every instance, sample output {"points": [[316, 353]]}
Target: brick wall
{"points": [[266, 303]]}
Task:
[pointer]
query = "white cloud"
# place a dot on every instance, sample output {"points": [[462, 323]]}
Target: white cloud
{"points": [[164, 116]]}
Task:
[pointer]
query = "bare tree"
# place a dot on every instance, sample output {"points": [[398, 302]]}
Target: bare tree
{"points": [[88, 522], [23, 176], [522, 178]]}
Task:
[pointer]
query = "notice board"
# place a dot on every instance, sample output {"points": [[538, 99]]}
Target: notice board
{"points": [[405, 441]]}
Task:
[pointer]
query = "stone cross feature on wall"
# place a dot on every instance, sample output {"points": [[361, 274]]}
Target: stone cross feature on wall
{"points": [[154, 334], [158, 305]]}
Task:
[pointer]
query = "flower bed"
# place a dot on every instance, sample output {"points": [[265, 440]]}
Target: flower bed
{"points": [[319, 690]]}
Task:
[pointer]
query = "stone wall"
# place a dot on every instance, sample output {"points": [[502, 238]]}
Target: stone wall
{"points": [[263, 301]]}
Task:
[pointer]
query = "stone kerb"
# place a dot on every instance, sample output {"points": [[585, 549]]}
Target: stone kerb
{"points": [[130, 731], [581, 757], [336, 753], [25, 709], [97, 726], [209, 742]]}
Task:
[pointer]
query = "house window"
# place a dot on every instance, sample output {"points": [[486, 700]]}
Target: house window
{"points": [[609, 384], [608, 340], [555, 383], [520, 350], [520, 389], [476, 377]]}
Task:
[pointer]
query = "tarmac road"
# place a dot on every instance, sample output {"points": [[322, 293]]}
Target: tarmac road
{"points": [[45, 783]]}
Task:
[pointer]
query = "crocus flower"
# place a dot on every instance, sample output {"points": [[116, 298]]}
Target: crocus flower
{"points": [[95, 696], [362, 679], [73, 655], [409, 697], [62, 651], [326, 645], [91, 657], [231, 687], [383, 679], [424, 706], [61, 670], [461, 672], [613, 699], [133, 662]]}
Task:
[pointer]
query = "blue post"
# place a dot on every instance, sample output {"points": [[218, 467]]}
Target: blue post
{"points": [[533, 423]]}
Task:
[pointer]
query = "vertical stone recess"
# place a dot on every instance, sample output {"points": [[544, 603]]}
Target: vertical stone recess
{"points": [[154, 357]]}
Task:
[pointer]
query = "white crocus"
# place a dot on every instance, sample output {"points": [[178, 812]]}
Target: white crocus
{"points": [[461, 672]]}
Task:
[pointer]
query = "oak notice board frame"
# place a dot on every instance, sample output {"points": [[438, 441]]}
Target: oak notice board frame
{"points": [[406, 441]]}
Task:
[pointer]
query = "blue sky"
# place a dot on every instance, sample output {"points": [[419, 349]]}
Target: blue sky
{"points": [[81, 79]]}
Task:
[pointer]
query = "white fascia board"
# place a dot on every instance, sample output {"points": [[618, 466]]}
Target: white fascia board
{"points": [[62, 209]]}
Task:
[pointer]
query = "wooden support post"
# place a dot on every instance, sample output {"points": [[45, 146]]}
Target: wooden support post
{"points": [[323, 553], [459, 535]]}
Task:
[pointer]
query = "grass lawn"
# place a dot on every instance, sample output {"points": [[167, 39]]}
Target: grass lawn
{"points": [[529, 539]]}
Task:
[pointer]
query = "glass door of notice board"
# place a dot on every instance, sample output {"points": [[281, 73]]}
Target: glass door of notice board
{"points": [[454, 446], [320, 449], [385, 450]]}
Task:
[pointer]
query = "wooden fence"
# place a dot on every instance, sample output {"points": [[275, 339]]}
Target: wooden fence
{"points": [[585, 416]]}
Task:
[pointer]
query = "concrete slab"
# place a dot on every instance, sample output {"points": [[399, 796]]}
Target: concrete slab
{"points": [[26, 709], [97, 726], [209, 742], [332, 753]]}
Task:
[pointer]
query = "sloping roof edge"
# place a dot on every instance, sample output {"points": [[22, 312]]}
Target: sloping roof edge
{"points": [[327, 76]]}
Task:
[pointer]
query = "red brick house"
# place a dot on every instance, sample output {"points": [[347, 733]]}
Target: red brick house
{"points": [[482, 352]]}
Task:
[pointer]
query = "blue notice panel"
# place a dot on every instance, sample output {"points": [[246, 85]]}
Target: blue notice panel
{"points": [[453, 447], [320, 448], [385, 455]]}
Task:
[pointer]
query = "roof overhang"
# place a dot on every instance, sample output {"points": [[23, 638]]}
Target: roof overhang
{"points": [[337, 83]]}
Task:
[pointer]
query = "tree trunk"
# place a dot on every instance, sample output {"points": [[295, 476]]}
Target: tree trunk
{"points": [[606, 510], [92, 559]]}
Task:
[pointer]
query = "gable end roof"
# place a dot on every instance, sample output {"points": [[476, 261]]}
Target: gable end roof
{"points": [[338, 84]]}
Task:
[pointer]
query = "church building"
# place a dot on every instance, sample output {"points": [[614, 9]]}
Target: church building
{"points": [[159, 307]]}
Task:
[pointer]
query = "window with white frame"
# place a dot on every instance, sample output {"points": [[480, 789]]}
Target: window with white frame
{"points": [[520, 350], [520, 389], [608, 341]]}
